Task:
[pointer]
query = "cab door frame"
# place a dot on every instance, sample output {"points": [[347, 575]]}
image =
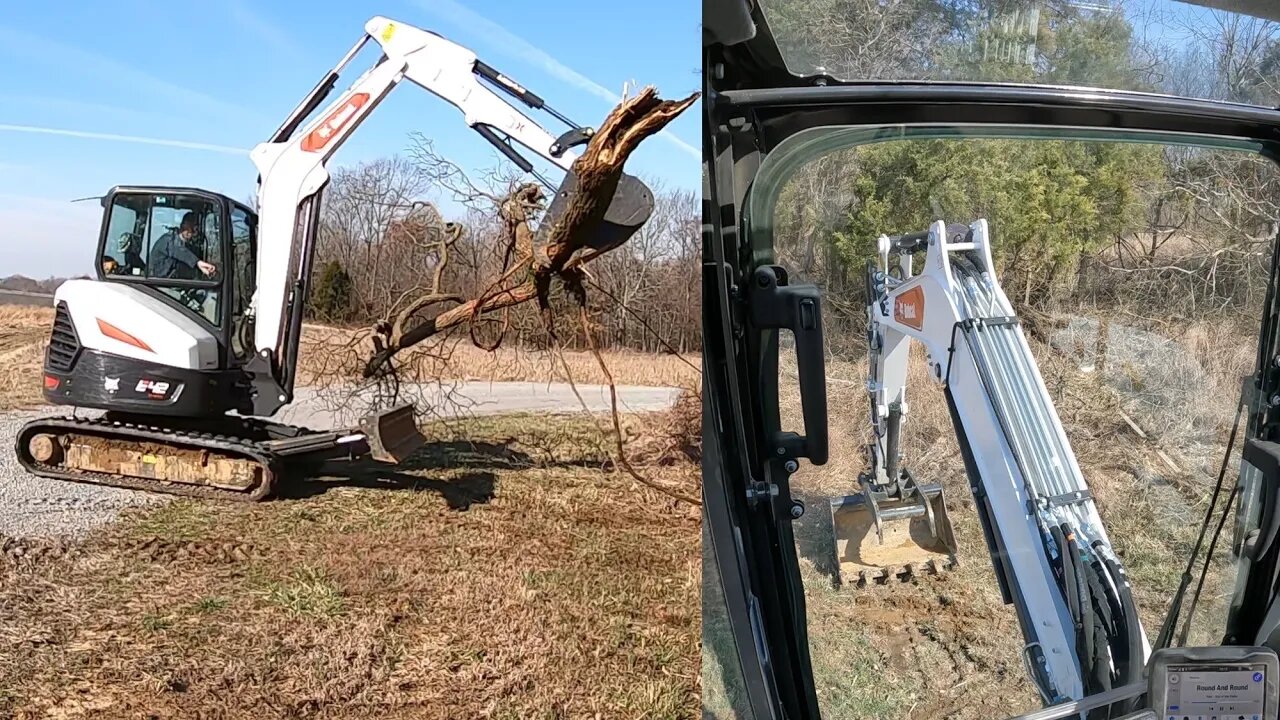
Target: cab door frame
{"points": [[747, 506]]}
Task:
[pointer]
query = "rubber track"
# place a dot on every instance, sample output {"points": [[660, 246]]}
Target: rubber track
{"points": [[117, 429]]}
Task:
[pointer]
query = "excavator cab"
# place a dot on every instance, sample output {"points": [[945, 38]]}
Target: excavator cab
{"points": [[780, 640], [191, 249]]}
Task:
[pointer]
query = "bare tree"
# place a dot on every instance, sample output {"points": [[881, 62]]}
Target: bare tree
{"points": [[561, 250], [428, 278]]}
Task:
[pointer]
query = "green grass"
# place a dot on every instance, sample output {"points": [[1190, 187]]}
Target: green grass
{"points": [[308, 592], [853, 681], [152, 622], [179, 520], [210, 604]]}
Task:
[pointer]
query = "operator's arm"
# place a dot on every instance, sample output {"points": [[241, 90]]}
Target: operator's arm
{"points": [[179, 251]]}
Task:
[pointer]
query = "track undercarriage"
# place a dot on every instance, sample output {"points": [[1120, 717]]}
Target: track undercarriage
{"points": [[227, 458]]}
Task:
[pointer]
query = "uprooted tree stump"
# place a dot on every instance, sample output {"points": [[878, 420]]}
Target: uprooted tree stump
{"points": [[553, 253]]}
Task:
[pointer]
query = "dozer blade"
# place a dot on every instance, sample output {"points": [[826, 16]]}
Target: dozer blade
{"points": [[914, 537], [392, 434], [628, 211]]}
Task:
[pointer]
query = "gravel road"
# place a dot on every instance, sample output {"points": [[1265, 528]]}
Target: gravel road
{"points": [[32, 506]]}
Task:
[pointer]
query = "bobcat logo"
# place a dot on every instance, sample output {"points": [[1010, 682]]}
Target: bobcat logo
{"points": [[908, 308], [111, 384]]}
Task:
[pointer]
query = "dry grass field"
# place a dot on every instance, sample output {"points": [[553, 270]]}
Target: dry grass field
{"points": [[500, 574], [507, 570], [328, 354], [24, 331]]}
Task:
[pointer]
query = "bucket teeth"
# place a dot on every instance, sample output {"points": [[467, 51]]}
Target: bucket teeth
{"points": [[902, 573]]}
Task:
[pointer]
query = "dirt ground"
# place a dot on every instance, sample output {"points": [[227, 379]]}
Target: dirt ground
{"points": [[945, 646], [500, 574]]}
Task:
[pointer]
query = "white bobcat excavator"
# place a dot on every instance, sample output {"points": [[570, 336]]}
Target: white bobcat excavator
{"points": [[1051, 555], [197, 309]]}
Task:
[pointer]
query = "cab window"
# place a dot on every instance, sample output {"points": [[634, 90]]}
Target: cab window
{"points": [[162, 237]]}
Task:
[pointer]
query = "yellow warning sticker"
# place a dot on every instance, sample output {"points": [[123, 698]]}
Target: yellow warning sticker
{"points": [[388, 31], [150, 459]]}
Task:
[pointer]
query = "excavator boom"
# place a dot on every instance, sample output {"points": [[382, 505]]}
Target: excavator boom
{"points": [[292, 171]]}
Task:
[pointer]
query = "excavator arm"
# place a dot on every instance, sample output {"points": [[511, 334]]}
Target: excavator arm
{"points": [[293, 173], [1049, 549]]}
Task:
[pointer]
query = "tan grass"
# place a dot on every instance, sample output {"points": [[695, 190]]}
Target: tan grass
{"points": [[24, 332], [486, 581], [328, 352]]}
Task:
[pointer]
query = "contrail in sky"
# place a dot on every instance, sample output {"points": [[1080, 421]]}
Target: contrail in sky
{"points": [[207, 147], [502, 37]]}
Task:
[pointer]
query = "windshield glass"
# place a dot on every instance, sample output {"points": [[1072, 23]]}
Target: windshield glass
{"points": [[159, 237], [1163, 46], [1137, 272]]}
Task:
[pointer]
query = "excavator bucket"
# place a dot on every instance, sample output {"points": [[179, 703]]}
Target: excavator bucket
{"points": [[629, 210], [392, 434], [879, 539]]}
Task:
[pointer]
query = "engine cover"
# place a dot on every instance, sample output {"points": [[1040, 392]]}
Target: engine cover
{"points": [[124, 320], [115, 347]]}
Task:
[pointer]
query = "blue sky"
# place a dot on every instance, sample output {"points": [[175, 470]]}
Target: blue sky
{"points": [[83, 83]]}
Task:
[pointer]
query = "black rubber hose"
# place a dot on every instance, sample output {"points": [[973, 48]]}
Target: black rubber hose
{"points": [[1102, 636], [1087, 651], [1108, 604], [1133, 628], [1127, 624], [1068, 578]]}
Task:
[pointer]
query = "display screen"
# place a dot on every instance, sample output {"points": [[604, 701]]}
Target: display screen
{"points": [[1215, 692]]}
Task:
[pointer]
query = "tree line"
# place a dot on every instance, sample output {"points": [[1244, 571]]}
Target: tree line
{"points": [[1172, 228]]}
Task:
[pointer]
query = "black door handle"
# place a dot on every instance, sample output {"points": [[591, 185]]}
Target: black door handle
{"points": [[776, 305]]}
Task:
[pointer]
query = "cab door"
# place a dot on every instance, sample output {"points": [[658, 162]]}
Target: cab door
{"points": [[241, 279], [183, 246]]}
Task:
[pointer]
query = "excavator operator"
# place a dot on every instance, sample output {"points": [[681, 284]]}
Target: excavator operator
{"points": [[173, 257]]}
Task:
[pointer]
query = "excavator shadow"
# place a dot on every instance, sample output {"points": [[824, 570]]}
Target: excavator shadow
{"points": [[477, 462]]}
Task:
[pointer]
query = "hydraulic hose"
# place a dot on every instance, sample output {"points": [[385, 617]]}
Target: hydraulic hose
{"points": [[1088, 652], [1068, 579], [1116, 618], [1132, 671]]}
